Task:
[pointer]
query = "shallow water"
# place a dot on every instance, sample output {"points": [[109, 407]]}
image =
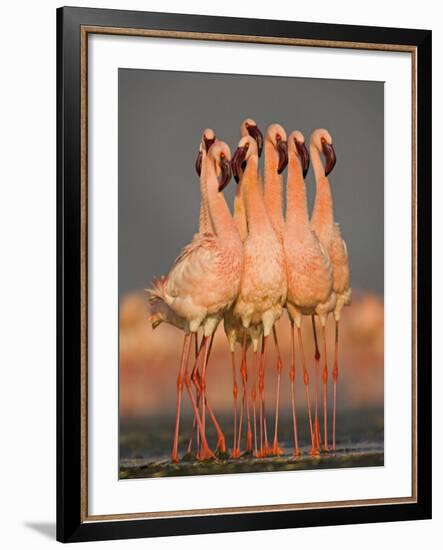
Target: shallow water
{"points": [[145, 446]]}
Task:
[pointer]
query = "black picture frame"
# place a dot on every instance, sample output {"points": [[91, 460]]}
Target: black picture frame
{"points": [[71, 526]]}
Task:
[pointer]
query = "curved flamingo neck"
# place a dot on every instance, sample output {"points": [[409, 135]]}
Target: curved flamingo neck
{"points": [[323, 212], [297, 201], [205, 225], [257, 217], [240, 211], [273, 188], [220, 215]]}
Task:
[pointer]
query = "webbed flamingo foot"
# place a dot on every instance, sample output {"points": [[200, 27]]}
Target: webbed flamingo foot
{"points": [[276, 449], [314, 451], [221, 445], [205, 453]]}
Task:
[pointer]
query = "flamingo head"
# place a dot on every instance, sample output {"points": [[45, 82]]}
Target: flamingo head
{"points": [[249, 128], [322, 140], [207, 140], [221, 155], [296, 143], [247, 147], [276, 135]]}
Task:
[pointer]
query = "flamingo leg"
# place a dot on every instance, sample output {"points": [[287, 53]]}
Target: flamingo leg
{"points": [[235, 451], [194, 421], [276, 450], [254, 401], [180, 379], [196, 378], [221, 444], [292, 379], [244, 375], [335, 377], [260, 395], [205, 451], [264, 445], [316, 374], [240, 424], [325, 392], [314, 449]]}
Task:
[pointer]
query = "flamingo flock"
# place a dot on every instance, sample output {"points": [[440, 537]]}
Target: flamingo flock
{"points": [[243, 269]]}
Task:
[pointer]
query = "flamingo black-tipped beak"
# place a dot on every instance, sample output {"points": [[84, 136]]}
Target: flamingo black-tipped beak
{"points": [[331, 159], [208, 142], [237, 161], [255, 133], [282, 149], [304, 156], [198, 163], [225, 173]]}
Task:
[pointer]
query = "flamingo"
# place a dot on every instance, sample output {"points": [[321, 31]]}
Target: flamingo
{"points": [[263, 285], [276, 158], [203, 282], [207, 140], [309, 271], [328, 232], [205, 225], [232, 324]]}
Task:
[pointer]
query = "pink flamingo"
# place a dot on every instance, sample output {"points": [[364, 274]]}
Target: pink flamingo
{"points": [[263, 286], [232, 324], [308, 269], [204, 282], [328, 232], [207, 140], [205, 226], [276, 158]]}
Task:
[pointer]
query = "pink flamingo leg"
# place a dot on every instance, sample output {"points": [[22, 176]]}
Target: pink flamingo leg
{"points": [[276, 450], [235, 451], [254, 401], [265, 450], [240, 424], [183, 362], [314, 450], [325, 392], [197, 380], [203, 454], [292, 379], [221, 444], [316, 374], [205, 450], [194, 375], [260, 394], [244, 375], [335, 377]]}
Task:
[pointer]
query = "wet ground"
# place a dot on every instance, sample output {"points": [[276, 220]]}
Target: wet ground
{"points": [[145, 446]]}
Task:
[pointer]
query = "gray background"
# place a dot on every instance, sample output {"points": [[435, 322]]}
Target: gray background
{"points": [[161, 118]]}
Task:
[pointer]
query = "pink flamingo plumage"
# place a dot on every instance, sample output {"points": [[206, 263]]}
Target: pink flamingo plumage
{"points": [[329, 234], [308, 269], [263, 286], [233, 327], [204, 281], [276, 158]]}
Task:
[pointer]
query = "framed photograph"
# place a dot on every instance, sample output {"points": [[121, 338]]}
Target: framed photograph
{"points": [[244, 274]]}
